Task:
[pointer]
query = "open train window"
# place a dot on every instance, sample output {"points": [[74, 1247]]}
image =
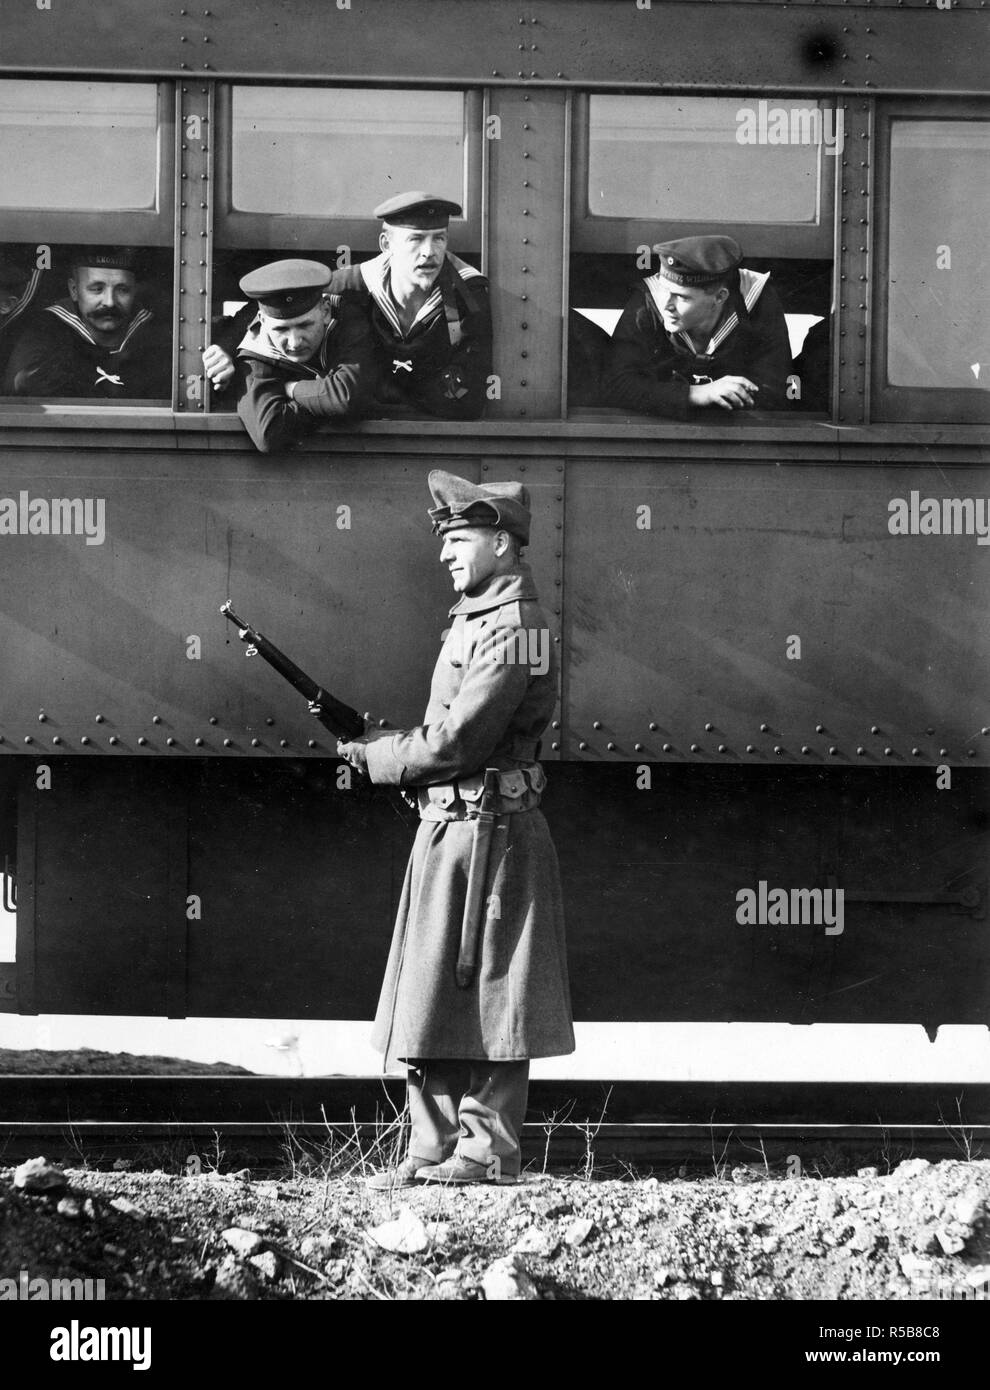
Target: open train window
{"points": [[654, 169], [300, 170], [932, 362], [86, 229]]}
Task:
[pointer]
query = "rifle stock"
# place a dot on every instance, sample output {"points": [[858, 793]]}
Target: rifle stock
{"points": [[340, 719]]}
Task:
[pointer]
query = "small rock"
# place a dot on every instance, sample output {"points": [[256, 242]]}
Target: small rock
{"points": [[38, 1175], [747, 1173], [912, 1267], [450, 1275], [440, 1232], [683, 1292], [268, 1263], [506, 1280], [862, 1238], [334, 1270], [660, 1275], [868, 1172], [267, 1190], [827, 1207], [912, 1168], [578, 1232], [950, 1242], [968, 1209], [123, 1165], [129, 1208], [406, 1235], [242, 1175], [70, 1208], [535, 1242], [244, 1243], [769, 1244], [235, 1280], [317, 1247], [717, 1278], [978, 1275], [89, 1209]]}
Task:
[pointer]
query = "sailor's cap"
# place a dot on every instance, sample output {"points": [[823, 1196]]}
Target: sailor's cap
{"points": [[504, 506], [422, 211], [286, 289], [106, 257], [698, 260]]}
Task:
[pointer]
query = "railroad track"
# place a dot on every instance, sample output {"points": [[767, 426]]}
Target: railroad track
{"points": [[643, 1121]]}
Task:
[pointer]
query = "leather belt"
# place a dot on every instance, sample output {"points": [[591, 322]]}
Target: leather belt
{"points": [[518, 790]]}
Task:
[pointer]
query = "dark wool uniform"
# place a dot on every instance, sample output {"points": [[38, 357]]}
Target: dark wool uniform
{"points": [[442, 365], [651, 370], [335, 383], [57, 355], [488, 707]]}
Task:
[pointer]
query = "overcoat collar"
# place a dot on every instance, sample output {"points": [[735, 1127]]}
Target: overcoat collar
{"points": [[513, 587]]}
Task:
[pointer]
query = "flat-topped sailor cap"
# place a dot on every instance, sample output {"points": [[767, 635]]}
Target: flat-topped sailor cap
{"points": [[503, 506], [698, 260], [286, 289], [106, 257], [422, 211]]}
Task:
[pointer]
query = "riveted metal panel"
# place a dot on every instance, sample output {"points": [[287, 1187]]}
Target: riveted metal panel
{"points": [[771, 46], [851, 365], [677, 637], [120, 646], [193, 241], [527, 250]]}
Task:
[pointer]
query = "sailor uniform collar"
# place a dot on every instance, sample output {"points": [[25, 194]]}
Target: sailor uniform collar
{"points": [[257, 343], [377, 276], [751, 285], [25, 299], [73, 321], [513, 587]]}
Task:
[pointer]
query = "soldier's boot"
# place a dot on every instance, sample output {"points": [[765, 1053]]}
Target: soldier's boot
{"points": [[406, 1174], [459, 1170]]}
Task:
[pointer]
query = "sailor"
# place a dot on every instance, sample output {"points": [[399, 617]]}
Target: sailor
{"points": [[428, 309], [99, 342], [307, 356], [700, 332], [470, 996]]}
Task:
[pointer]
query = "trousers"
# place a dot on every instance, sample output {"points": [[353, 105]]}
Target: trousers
{"points": [[474, 1108]]}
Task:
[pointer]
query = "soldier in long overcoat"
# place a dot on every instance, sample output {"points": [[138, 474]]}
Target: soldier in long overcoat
{"points": [[468, 1045]]}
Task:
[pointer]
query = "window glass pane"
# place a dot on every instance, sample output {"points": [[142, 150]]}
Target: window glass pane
{"points": [[939, 214], [78, 145], [338, 153], [677, 159]]}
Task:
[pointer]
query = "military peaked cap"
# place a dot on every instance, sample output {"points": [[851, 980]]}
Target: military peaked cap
{"points": [[699, 260], [422, 211], [504, 506], [286, 289]]}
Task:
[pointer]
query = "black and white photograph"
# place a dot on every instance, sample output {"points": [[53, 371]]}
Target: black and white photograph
{"points": [[495, 699]]}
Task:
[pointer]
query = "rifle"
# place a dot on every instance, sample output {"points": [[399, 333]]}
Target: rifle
{"points": [[342, 721]]}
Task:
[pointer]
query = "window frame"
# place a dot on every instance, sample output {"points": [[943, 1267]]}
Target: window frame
{"points": [[236, 230], [924, 405], [783, 240], [153, 227]]}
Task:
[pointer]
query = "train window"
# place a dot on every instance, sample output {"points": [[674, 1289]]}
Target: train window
{"points": [[655, 169], [937, 263], [86, 232]]}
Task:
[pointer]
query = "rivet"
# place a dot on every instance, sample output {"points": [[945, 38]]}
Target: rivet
{"points": [[653, 726], [283, 743], [525, 326], [819, 728], [943, 752], [197, 741], [764, 728], [57, 739], [213, 719], [368, 716], [142, 741], [709, 728], [156, 719], [805, 748], [582, 745], [170, 741], [311, 743], [695, 747], [750, 748], [597, 724], [984, 732], [874, 729], [722, 748], [778, 749], [667, 748], [555, 746], [970, 752], [833, 751], [228, 742], [888, 752], [916, 752], [42, 717], [113, 739], [255, 743], [637, 748], [555, 724], [28, 738], [99, 719], [269, 721], [610, 747]]}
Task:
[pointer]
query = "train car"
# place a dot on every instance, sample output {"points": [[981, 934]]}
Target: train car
{"points": [[772, 624]]}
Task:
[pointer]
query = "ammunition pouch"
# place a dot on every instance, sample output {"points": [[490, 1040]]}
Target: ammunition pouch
{"points": [[518, 790]]}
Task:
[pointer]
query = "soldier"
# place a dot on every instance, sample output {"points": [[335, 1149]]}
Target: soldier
{"points": [[307, 356], [468, 1034], [428, 309], [96, 343], [700, 332]]}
